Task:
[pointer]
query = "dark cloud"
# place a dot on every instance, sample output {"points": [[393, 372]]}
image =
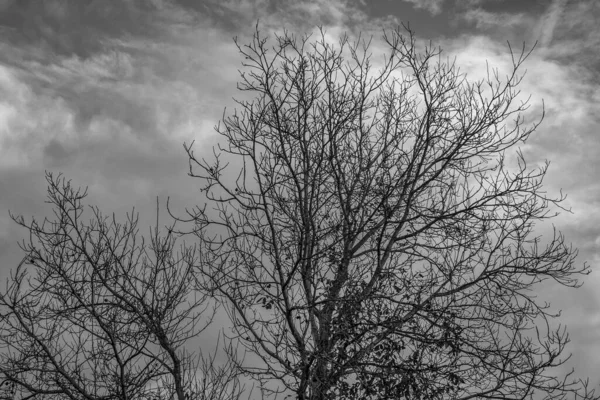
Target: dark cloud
{"points": [[56, 153], [79, 27]]}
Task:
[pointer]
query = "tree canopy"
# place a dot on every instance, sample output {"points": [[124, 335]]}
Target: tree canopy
{"points": [[97, 311], [378, 238]]}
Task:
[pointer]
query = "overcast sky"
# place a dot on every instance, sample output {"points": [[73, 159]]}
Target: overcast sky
{"points": [[107, 92]]}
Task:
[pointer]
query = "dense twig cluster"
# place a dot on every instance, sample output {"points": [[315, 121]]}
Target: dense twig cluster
{"points": [[95, 312], [379, 241]]}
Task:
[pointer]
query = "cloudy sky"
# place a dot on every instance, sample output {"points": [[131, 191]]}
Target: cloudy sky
{"points": [[107, 92]]}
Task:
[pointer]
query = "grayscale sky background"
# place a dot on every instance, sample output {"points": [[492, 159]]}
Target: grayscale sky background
{"points": [[107, 92]]}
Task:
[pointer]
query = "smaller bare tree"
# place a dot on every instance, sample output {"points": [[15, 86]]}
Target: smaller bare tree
{"points": [[96, 312]]}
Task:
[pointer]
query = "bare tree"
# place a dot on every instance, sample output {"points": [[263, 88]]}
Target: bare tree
{"points": [[379, 241], [95, 312]]}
